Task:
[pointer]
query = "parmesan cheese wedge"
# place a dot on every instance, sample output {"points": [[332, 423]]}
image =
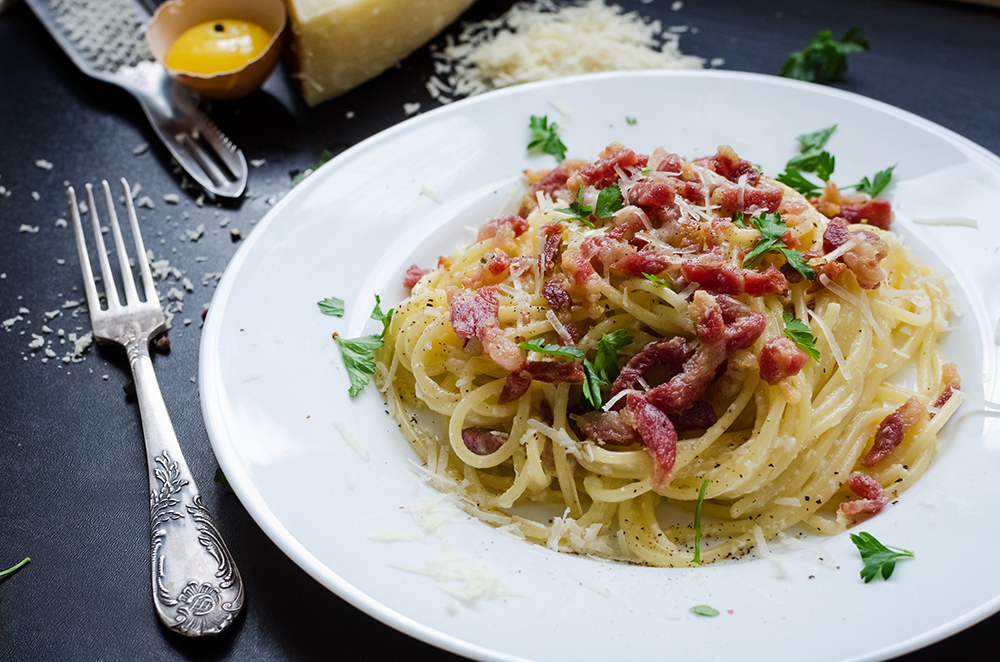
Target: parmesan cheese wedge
{"points": [[340, 44]]}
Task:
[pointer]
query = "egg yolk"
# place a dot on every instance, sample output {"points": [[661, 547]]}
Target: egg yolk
{"points": [[217, 46]]}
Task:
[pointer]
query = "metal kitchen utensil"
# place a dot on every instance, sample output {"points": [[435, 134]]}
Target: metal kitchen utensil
{"points": [[104, 38], [197, 589]]}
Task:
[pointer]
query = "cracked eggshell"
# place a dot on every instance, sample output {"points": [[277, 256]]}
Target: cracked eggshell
{"points": [[174, 17]]}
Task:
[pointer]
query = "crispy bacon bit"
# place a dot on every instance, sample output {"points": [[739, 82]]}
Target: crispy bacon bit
{"points": [[550, 238], [651, 194], [659, 437], [648, 261], [892, 428], [744, 332], [494, 269], [752, 199], [706, 314], [874, 212], [603, 251], [720, 279], [732, 309], [836, 234], [952, 382], [583, 282], [482, 441], [872, 500], [476, 315], [503, 230], [555, 293], [613, 428], [514, 386], [780, 358], [863, 259], [602, 172], [672, 353], [413, 276], [698, 416], [728, 164], [501, 349], [550, 372]]}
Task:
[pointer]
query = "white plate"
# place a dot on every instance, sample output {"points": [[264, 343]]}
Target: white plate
{"points": [[274, 390]]}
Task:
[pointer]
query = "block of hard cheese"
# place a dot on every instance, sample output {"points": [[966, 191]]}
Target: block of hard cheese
{"points": [[340, 44]]}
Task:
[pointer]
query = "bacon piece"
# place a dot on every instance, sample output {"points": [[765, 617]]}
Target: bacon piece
{"points": [[612, 428], [473, 310], [863, 259], [874, 212], [673, 353], [952, 382], [644, 262], [413, 276], [892, 428], [720, 279], [550, 372], [550, 238], [706, 313], [504, 351], [555, 293], [744, 332], [652, 193], [659, 437], [583, 282], [483, 441], [836, 234], [602, 172], [503, 230], [780, 358], [603, 251], [728, 164], [494, 270], [872, 500], [749, 198], [698, 416]]}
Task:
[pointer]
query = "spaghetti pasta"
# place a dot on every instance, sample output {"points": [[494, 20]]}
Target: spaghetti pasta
{"points": [[646, 323]]}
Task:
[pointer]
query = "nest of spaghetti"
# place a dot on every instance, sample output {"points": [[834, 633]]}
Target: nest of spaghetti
{"points": [[651, 341]]}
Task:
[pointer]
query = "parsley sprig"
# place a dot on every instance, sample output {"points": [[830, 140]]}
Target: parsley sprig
{"points": [[609, 201], [545, 137], [597, 373], [800, 333], [11, 570], [824, 60], [359, 353], [324, 156], [540, 346], [879, 559], [814, 159], [332, 306], [772, 227]]}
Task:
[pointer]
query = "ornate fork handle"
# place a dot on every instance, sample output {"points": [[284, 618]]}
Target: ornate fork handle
{"points": [[197, 589]]}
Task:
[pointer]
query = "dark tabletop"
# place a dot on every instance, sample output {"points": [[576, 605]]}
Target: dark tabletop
{"points": [[73, 490]]}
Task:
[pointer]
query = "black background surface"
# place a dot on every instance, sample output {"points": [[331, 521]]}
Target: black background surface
{"points": [[73, 491]]}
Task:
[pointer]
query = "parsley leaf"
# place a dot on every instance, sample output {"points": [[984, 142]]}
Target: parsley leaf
{"points": [[878, 558], [11, 570], [697, 526], [359, 353], [656, 279], [824, 60], [324, 156], [221, 479], [793, 178], [609, 200], [630, 120], [604, 369], [877, 183], [772, 227], [704, 610], [359, 359], [538, 345], [545, 137], [332, 306], [579, 211], [816, 140], [800, 333]]}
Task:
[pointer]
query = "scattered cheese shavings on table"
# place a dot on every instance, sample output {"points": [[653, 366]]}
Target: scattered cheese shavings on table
{"points": [[541, 41]]}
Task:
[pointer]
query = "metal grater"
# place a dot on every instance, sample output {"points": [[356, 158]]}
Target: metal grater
{"points": [[105, 39]]}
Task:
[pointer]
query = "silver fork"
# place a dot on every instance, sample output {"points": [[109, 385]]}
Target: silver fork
{"points": [[197, 589]]}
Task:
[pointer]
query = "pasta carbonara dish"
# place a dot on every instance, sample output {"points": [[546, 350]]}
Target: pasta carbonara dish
{"points": [[670, 361]]}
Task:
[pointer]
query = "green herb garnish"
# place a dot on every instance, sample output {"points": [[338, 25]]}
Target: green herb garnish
{"points": [[604, 368], [877, 184], [359, 353], [331, 306], [656, 279], [824, 60], [538, 345], [324, 156], [793, 178], [800, 333], [630, 120], [609, 200], [221, 479], [579, 211], [11, 570], [545, 137], [772, 227], [815, 141], [697, 528], [704, 610], [879, 559]]}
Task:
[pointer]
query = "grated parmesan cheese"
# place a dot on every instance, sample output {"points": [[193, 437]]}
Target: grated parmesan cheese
{"points": [[541, 41]]}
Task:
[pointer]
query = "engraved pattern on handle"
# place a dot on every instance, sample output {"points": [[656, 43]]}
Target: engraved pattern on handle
{"points": [[197, 589]]}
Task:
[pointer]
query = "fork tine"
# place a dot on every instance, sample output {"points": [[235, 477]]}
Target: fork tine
{"points": [[131, 297], [110, 291], [93, 301], [148, 286]]}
